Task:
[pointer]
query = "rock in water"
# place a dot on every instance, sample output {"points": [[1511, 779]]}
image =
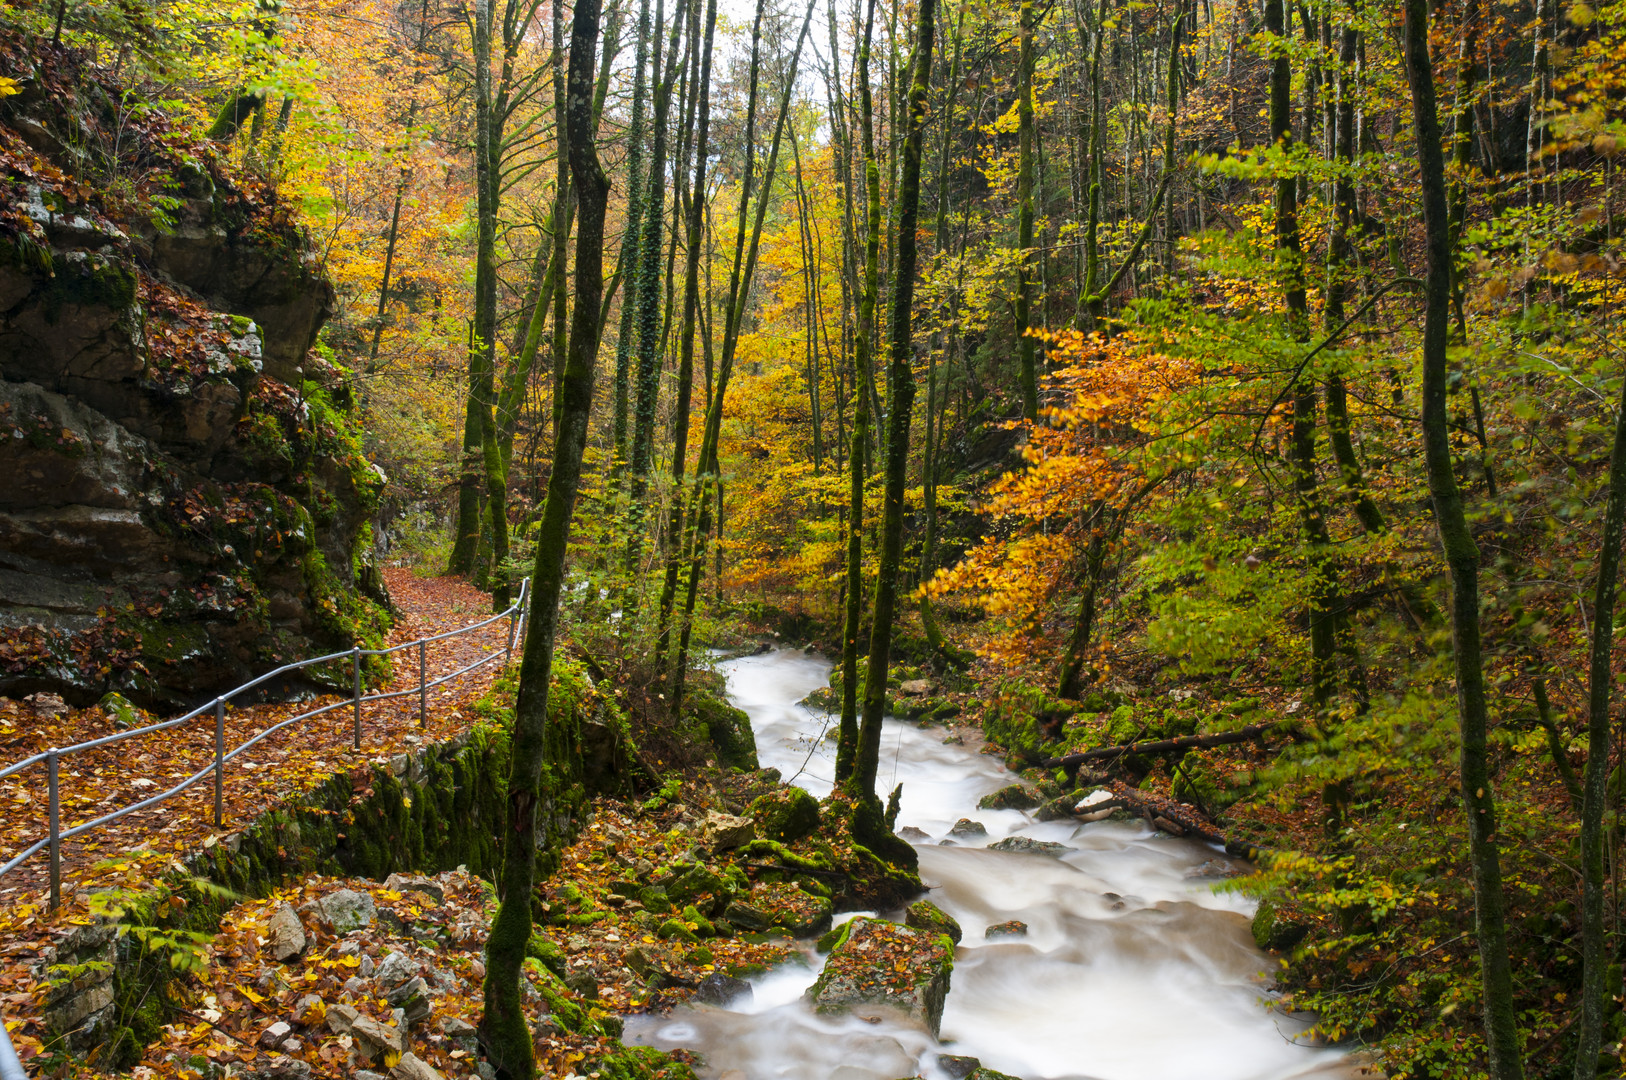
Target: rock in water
{"points": [[1010, 797], [285, 938], [1057, 809], [927, 916], [720, 989], [1011, 928], [881, 964], [1028, 845], [966, 827]]}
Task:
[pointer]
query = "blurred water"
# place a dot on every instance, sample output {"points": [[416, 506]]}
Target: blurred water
{"points": [[1131, 970]]}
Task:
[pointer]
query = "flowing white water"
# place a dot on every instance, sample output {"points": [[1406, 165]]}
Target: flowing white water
{"points": [[1131, 970]]}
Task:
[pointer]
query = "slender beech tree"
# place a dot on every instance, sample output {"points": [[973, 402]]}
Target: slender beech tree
{"points": [[700, 517], [1290, 262], [648, 347], [1462, 559], [629, 264], [852, 626], [686, 335], [1595, 958], [1027, 371], [504, 1028], [900, 407]]}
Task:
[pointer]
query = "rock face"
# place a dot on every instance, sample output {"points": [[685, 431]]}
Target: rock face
{"points": [[886, 966], [185, 502]]}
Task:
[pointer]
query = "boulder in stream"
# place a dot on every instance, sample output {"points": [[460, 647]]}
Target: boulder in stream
{"points": [[1027, 845], [883, 965], [967, 827], [1009, 928], [1010, 797], [927, 916]]}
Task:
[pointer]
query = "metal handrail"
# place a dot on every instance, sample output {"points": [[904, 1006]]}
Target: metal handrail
{"points": [[52, 758]]}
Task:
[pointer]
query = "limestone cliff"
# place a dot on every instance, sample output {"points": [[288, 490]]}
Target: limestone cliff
{"points": [[184, 501]]}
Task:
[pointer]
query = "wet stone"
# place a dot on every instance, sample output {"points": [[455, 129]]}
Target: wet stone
{"points": [[1007, 929], [966, 827], [1026, 845], [720, 989], [1010, 797], [885, 965]]}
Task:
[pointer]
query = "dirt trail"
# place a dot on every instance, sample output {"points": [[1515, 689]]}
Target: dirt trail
{"points": [[295, 759]]}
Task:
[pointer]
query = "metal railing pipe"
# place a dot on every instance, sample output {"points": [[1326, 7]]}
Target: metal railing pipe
{"points": [[52, 758]]}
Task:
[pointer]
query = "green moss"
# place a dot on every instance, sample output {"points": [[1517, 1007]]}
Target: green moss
{"points": [[785, 814], [927, 916], [82, 280], [728, 728]]}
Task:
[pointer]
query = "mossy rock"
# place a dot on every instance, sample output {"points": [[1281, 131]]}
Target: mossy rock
{"points": [[786, 814], [1272, 933], [654, 899], [675, 928], [697, 881], [1010, 797], [697, 922], [882, 963], [927, 916], [728, 728]]}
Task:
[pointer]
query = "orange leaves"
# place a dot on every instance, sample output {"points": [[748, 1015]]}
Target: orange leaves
{"points": [[1094, 453]]}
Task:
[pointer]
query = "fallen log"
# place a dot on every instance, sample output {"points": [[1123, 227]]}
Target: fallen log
{"points": [[1184, 742], [1178, 819]]}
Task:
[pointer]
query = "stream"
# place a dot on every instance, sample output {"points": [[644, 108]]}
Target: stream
{"points": [[1134, 968]]}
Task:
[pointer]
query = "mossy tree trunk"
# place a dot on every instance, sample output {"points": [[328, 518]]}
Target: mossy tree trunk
{"points": [[900, 407], [503, 1029], [847, 734], [1595, 957], [1462, 557], [686, 334]]}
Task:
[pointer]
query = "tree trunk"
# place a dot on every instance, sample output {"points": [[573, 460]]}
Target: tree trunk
{"points": [[649, 303], [1027, 372], [691, 306], [900, 402], [630, 246], [1595, 956], [1462, 556], [852, 625], [504, 1030]]}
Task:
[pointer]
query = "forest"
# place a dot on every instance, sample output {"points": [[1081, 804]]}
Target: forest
{"points": [[1212, 410]]}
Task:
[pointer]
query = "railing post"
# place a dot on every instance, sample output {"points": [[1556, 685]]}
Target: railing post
{"points": [[513, 627], [54, 810], [423, 685], [220, 761], [355, 667]]}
